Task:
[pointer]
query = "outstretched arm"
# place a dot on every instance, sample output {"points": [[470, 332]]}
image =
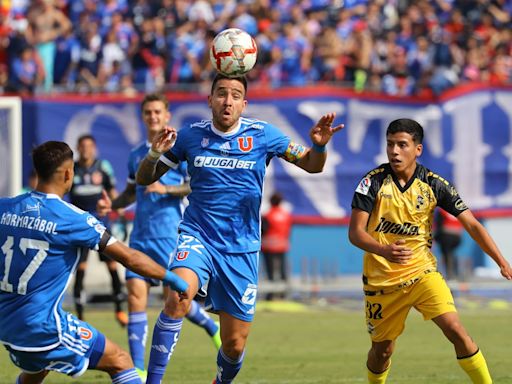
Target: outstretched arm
{"points": [[150, 169], [314, 158], [143, 265], [478, 232]]}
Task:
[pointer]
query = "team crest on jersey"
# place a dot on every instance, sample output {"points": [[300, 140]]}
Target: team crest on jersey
{"points": [[364, 186], [97, 177], [245, 143], [225, 148], [420, 201], [182, 255], [85, 334], [205, 142], [460, 205]]}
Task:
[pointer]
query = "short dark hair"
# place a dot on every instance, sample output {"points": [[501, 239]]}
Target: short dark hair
{"points": [[409, 126], [276, 199], [155, 97], [49, 156], [220, 76], [87, 136]]}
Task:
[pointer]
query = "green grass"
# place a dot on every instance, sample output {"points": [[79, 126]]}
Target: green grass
{"points": [[317, 347]]}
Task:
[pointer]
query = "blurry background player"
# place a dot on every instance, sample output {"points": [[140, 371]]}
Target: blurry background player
{"points": [[276, 227], [219, 238], [448, 234], [40, 235], [92, 176], [32, 181], [392, 212], [158, 211]]}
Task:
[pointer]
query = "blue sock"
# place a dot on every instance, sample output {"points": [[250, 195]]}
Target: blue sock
{"points": [[198, 316], [137, 334], [128, 376], [165, 336], [227, 368]]}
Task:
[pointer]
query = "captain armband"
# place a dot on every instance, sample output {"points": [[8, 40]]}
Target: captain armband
{"points": [[294, 152], [106, 240]]}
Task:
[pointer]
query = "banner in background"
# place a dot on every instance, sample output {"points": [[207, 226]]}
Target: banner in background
{"points": [[468, 139]]}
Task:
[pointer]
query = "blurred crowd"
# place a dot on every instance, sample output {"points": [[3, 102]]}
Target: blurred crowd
{"points": [[398, 47]]}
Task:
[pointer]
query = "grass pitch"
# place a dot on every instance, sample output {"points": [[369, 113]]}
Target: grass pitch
{"points": [[316, 347]]}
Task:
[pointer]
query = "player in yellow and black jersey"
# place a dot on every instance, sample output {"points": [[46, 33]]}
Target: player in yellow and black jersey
{"points": [[392, 214], [402, 213]]}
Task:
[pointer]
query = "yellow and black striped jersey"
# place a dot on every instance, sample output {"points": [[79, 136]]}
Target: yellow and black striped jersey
{"points": [[406, 213]]}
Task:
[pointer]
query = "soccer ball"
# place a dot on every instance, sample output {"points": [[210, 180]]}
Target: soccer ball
{"points": [[233, 52]]}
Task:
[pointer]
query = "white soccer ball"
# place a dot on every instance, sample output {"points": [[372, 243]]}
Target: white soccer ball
{"points": [[233, 52]]}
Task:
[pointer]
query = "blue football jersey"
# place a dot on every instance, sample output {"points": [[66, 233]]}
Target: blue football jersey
{"points": [[156, 216], [39, 239], [226, 177]]}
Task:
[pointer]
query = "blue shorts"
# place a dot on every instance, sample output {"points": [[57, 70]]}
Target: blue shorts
{"points": [[160, 250], [229, 280], [77, 351]]}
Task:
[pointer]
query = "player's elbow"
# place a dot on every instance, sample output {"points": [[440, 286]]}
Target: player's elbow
{"points": [[316, 170], [353, 236]]}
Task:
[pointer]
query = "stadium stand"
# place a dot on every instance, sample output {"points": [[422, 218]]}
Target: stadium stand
{"points": [[401, 48]]}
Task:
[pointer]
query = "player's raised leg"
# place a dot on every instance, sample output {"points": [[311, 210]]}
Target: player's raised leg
{"points": [[469, 356], [233, 333], [167, 329]]}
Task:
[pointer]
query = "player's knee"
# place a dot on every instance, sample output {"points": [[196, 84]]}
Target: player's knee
{"points": [[36, 378], [233, 346], [121, 362], [176, 309], [382, 353], [112, 267], [136, 298]]}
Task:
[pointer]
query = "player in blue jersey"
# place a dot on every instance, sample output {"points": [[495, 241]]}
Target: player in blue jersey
{"points": [[92, 176], [158, 210], [40, 240], [219, 237]]}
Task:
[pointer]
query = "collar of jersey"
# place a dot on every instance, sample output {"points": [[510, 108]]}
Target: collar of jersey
{"points": [[48, 195], [226, 134]]}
